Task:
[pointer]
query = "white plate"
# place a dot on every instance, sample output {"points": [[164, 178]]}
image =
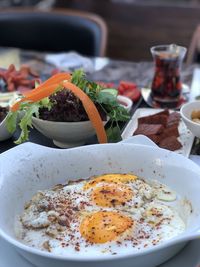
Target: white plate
{"points": [[186, 137], [188, 257], [8, 98]]}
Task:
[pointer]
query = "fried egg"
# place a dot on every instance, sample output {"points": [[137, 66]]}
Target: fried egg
{"points": [[108, 214], [104, 226], [110, 178]]}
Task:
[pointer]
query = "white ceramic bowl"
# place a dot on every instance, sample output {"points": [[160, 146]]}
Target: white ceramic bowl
{"points": [[30, 167], [4, 133], [186, 111], [6, 100], [72, 134], [65, 134]]}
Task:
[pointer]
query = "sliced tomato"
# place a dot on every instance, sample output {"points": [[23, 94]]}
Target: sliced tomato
{"points": [[121, 90], [133, 94], [129, 89], [124, 85], [127, 85]]}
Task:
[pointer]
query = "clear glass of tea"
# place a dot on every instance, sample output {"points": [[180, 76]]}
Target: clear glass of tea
{"points": [[166, 85]]}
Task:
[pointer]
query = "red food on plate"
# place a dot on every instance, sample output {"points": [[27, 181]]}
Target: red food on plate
{"points": [[130, 90], [125, 85], [18, 80], [124, 88], [133, 95]]}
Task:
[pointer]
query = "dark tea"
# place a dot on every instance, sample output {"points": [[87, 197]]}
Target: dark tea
{"points": [[166, 84]]}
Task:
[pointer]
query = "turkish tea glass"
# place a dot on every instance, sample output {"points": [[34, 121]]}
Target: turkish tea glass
{"points": [[166, 85]]}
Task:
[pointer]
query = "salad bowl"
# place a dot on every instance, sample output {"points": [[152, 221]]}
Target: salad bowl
{"points": [[72, 134], [28, 168], [65, 134]]}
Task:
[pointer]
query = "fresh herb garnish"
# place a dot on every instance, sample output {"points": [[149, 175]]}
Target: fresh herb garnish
{"points": [[108, 102]]}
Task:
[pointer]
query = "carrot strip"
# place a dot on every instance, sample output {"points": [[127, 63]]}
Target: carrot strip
{"points": [[36, 96], [90, 109], [42, 88], [57, 78], [89, 106]]}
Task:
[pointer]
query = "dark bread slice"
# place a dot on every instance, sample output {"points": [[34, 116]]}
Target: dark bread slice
{"points": [[173, 119], [155, 138], [171, 131], [149, 129], [155, 119], [170, 143]]}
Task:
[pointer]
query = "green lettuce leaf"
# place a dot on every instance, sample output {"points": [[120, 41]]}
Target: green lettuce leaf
{"points": [[26, 122], [11, 121]]}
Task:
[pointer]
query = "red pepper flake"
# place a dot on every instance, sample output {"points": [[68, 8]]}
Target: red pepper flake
{"points": [[77, 248]]}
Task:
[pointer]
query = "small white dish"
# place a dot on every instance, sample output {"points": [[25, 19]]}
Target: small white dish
{"points": [[6, 100], [186, 112], [125, 102], [65, 134], [186, 138]]}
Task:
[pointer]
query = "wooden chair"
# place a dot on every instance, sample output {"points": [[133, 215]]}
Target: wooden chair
{"points": [[53, 31], [193, 55]]}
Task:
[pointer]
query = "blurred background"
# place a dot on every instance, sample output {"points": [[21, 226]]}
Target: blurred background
{"points": [[133, 25]]}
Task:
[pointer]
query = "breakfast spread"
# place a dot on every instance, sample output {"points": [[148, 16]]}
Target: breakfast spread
{"points": [[195, 116], [161, 128], [107, 214]]}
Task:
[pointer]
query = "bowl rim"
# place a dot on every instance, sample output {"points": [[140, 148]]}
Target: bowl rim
{"points": [[61, 122], [185, 236], [82, 258], [3, 121], [182, 110]]}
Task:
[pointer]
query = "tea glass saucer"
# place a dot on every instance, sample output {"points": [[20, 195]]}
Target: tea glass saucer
{"points": [[146, 94]]}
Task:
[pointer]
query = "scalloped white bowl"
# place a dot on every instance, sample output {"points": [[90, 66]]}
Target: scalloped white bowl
{"points": [[30, 167]]}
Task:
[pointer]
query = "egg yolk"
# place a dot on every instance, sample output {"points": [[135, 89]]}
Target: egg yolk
{"points": [[111, 195], [111, 178], [104, 226]]}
